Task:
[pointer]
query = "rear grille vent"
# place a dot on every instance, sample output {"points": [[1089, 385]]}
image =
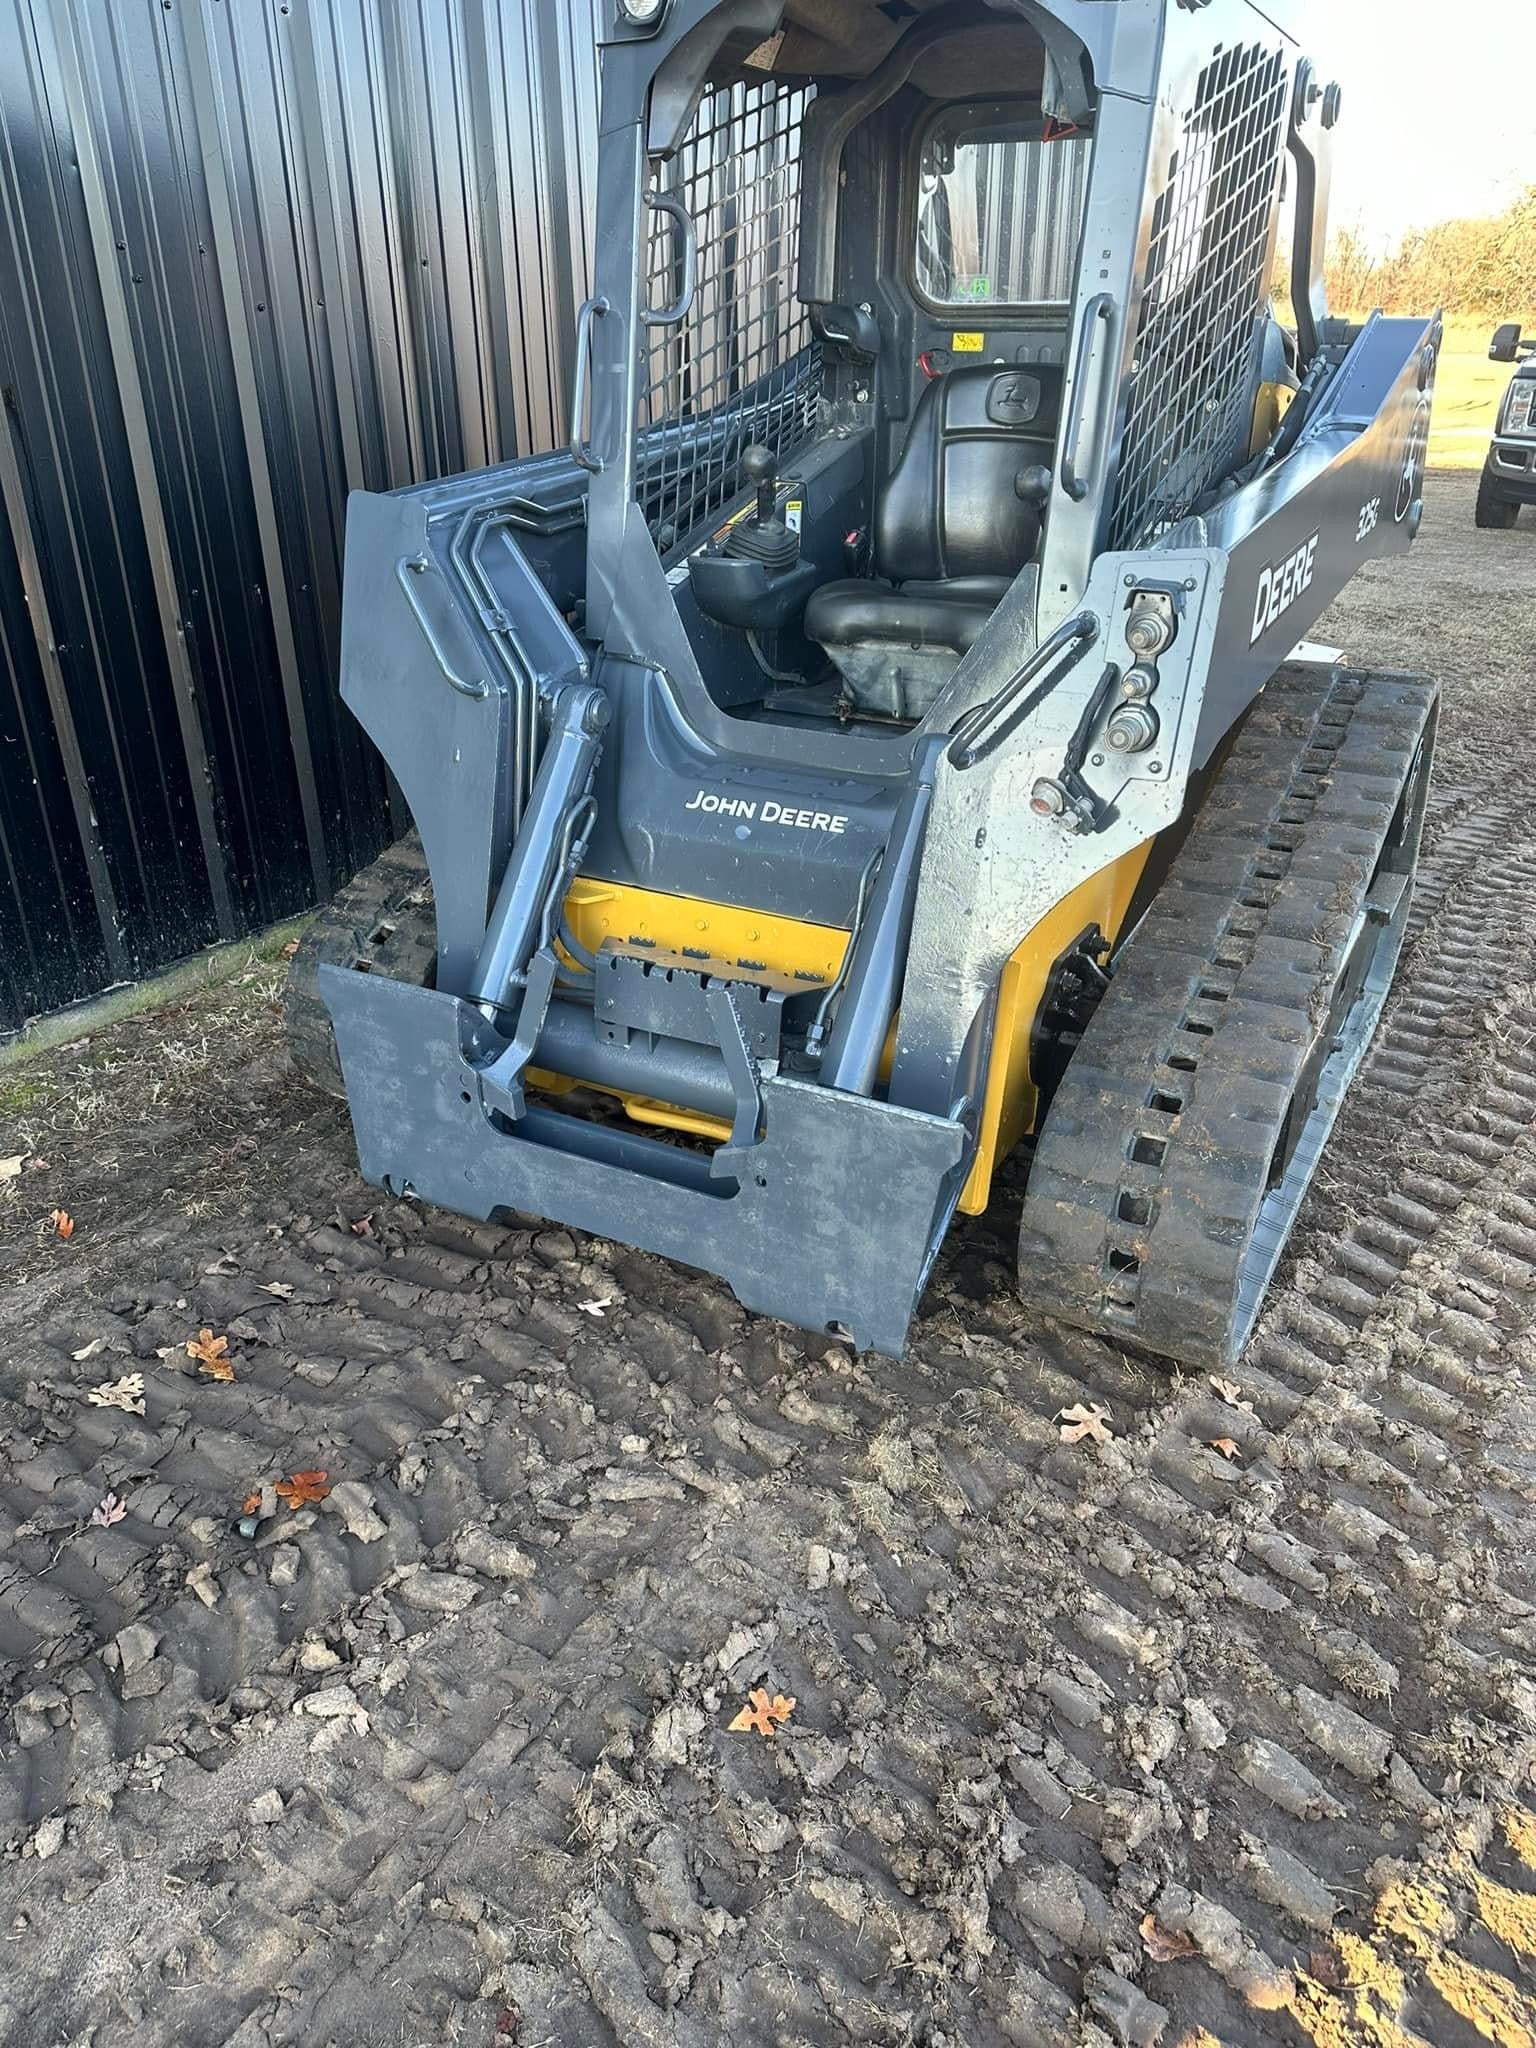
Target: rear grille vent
{"points": [[1198, 342]]}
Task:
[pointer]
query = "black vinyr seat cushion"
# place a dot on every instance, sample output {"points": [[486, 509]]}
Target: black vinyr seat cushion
{"points": [[949, 615], [951, 528]]}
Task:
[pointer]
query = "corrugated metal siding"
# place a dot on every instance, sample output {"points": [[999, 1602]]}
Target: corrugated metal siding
{"points": [[253, 253]]}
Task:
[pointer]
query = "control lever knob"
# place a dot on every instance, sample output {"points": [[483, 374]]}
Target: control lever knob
{"points": [[757, 466]]}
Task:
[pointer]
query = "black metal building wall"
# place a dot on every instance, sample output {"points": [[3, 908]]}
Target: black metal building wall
{"points": [[253, 253]]}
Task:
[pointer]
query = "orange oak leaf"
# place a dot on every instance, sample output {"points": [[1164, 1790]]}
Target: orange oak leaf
{"points": [[212, 1355], [1165, 1944], [760, 1713], [63, 1223], [1228, 1448], [252, 1502], [303, 1489]]}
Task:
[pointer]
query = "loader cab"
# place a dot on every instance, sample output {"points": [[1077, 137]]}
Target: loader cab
{"points": [[854, 307]]}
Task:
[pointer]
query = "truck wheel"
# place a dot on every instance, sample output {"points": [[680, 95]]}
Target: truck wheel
{"points": [[1492, 510], [382, 922]]}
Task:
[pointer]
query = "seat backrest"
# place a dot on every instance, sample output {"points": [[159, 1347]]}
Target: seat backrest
{"points": [[951, 506]]}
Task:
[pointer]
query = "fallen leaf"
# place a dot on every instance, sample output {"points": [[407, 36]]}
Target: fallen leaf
{"points": [[109, 1509], [1324, 1966], [290, 949], [1163, 1944], [126, 1393], [1090, 1420], [9, 1168], [90, 1350], [212, 1355], [223, 1266], [39, 1165], [1232, 1394], [509, 2022], [283, 1289], [760, 1713], [301, 1490], [63, 1223], [600, 1307], [252, 1503], [1228, 1448], [363, 1227]]}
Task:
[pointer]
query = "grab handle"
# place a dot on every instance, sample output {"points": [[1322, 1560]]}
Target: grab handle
{"points": [[591, 310], [408, 574], [1073, 482], [984, 728], [673, 207]]}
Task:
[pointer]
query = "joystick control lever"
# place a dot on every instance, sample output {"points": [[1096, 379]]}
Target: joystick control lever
{"points": [[763, 537], [757, 466]]}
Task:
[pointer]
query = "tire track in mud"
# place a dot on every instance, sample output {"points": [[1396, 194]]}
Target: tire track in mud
{"points": [[450, 1745]]}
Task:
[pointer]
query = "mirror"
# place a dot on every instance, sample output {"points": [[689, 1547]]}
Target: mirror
{"points": [[1505, 345]]}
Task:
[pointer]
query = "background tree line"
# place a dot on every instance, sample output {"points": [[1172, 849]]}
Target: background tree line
{"points": [[1483, 269]]}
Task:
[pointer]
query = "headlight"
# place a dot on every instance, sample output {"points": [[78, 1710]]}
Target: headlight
{"points": [[642, 13], [1517, 412]]}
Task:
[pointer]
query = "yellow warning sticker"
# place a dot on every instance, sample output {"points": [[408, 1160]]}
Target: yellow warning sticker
{"points": [[966, 344]]}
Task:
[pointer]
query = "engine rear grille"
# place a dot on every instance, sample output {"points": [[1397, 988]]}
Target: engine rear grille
{"points": [[742, 366], [1198, 340]]}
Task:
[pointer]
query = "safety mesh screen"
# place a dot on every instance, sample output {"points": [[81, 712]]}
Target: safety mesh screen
{"points": [[1198, 340], [742, 365]]}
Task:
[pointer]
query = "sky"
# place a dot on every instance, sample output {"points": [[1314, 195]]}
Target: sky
{"points": [[1439, 115]]}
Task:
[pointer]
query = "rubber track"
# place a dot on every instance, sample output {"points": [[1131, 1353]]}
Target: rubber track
{"points": [[380, 922], [1147, 1187]]}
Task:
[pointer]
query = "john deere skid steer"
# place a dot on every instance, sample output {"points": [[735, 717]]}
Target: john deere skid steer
{"points": [[873, 743]]}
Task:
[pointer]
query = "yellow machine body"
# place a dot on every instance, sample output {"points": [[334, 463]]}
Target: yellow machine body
{"points": [[720, 936]]}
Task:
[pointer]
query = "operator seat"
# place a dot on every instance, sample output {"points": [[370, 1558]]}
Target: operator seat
{"points": [[957, 520]]}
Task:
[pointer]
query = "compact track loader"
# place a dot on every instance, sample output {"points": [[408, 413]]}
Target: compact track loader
{"points": [[873, 743]]}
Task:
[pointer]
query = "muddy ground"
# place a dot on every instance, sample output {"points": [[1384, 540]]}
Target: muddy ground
{"points": [[1155, 1742]]}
